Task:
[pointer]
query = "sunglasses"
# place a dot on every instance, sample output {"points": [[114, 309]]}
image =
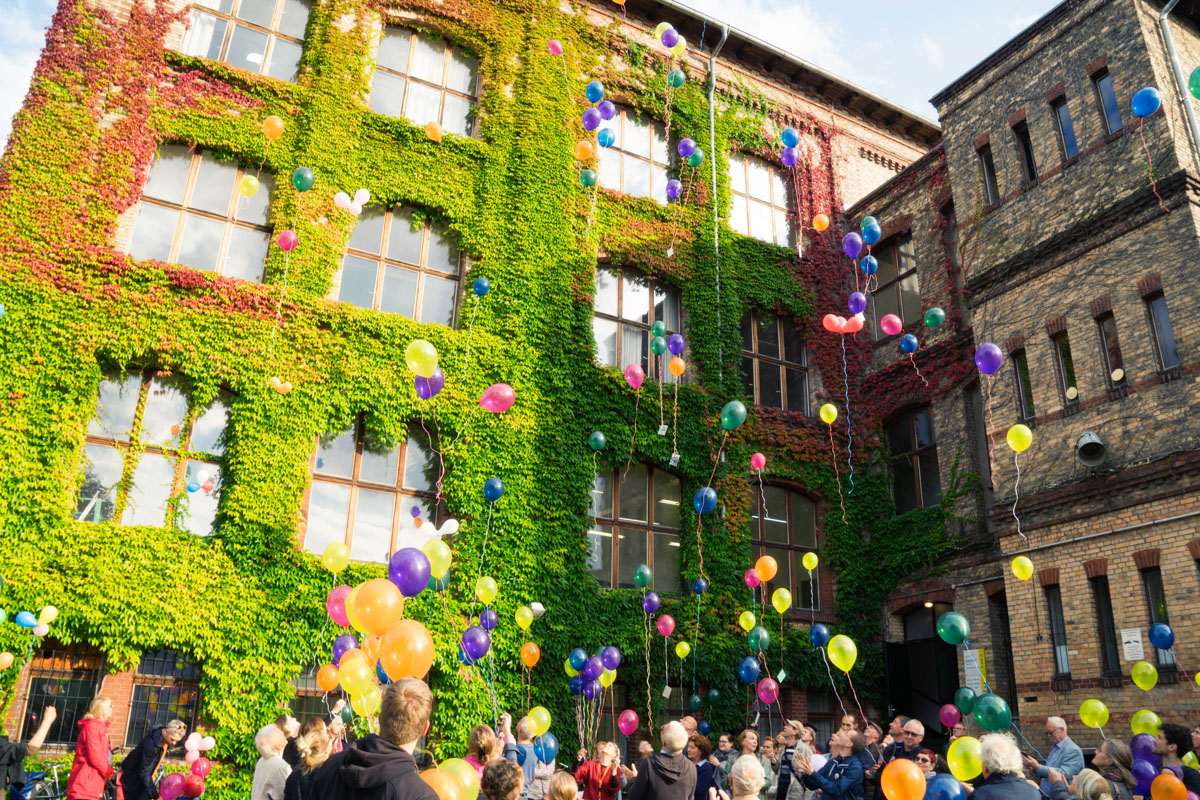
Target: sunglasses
{"points": [[925, 759], [911, 733]]}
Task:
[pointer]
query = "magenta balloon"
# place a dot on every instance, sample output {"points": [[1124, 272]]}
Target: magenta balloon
{"points": [[628, 721], [555, 47], [768, 691], [666, 624], [287, 240], [335, 605], [752, 579], [498, 398], [758, 461], [949, 715], [171, 786], [634, 375]]}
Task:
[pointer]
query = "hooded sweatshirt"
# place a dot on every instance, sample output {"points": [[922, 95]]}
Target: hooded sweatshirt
{"points": [[664, 776], [92, 766], [375, 769]]}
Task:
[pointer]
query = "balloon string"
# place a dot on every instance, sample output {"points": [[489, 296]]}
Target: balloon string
{"points": [[646, 629], [700, 520], [592, 211], [675, 419], [861, 713], [633, 439], [837, 474], [696, 644], [441, 461], [833, 685], [990, 435], [678, 213], [967, 652], [1153, 186], [918, 369], [1195, 686], [661, 418], [470, 330], [566, 76], [463, 429], [279, 305], [849, 435], [1017, 493]]}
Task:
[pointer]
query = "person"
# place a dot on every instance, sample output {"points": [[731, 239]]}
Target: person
{"points": [[747, 777], [381, 766], [1087, 785], [1113, 760], [796, 789], [291, 729], [313, 746], [337, 733], [747, 743], [768, 751], [689, 724], [699, 752], [725, 751], [1065, 756], [849, 723], [271, 771], [139, 768], [870, 756], [92, 766], [291, 751], [908, 734], [1173, 743], [562, 787], [667, 774], [1196, 739], [808, 736], [600, 778], [787, 754], [927, 760], [482, 747], [1002, 778], [519, 749], [842, 776], [502, 780], [958, 731], [896, 727], [13, 754]]}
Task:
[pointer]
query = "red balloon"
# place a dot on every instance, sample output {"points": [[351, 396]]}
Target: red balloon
{"points": [[830, 322], [201, 766], [853, 325], [193, 785]]}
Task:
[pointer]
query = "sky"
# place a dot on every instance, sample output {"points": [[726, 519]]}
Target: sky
{"points": [[903, 50]]}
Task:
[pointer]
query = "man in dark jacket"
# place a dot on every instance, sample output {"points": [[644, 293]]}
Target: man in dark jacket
{"points": [[1002, 777], [381, 766], [140, 767], [842, 776], [666, 775]]}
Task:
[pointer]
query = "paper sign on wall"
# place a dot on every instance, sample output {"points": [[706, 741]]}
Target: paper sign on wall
{"points": [[975, 667], [1131, 643]]}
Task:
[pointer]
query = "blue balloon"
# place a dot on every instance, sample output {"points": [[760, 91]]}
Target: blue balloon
{"points": [[594, 92], [481, 286], [703, 728], [699, 586], [578, 659], [489, 619], [606, 137], [704, 500], [381, 674], [545, 747], [791, 137], [493, 489], [464, 658], [818, 634], [871, 234], [26, 620], [748, 670], [193, 486], [908, 343], [869, 265], [945, 787], [1161, 635], [1146, 101]]}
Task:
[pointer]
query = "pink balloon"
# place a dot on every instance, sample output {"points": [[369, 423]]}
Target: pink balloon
{"points": [[1193, 796], [854, 324], [768, 691], [498, 398], [201, 766], [207, 743], [628, 721], [192, 742], [171, 786], [555, 47], [634, 375], [287, 240], [891, 324], [752, 579], [41, 630], [949, 715], [335, 605], [192, 756], [758, 461], [666, 624], [830, 321]]}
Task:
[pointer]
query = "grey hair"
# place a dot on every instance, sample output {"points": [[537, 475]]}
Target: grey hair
{"points": [[674, 737], [1000, 754], [747, 776], [1057, 722], [918, 723], [270, 741]]}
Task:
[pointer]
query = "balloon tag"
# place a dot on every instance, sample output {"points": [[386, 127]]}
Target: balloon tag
{"points": [[667, 692], [782, 676], [755, 723], [674, 459], [662, 430], [670, 251]]}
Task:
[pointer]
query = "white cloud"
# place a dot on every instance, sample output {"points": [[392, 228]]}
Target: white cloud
{"points": [[22, 37], [932, 50]]}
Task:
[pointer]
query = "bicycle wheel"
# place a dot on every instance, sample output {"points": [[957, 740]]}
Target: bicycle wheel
{"points": [[43, 790]]}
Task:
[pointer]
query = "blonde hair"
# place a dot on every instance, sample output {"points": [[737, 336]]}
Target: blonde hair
{"points": [[1091, 785], [483, 744], [747, 776], [313, 745], [99, 708], [269, 741], [562, 787]]}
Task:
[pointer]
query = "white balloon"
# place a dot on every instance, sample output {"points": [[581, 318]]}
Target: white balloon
{"points": [[362, 197], [341, 200], [817, 760]]}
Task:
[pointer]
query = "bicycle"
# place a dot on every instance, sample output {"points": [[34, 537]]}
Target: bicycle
{"points": [[40, 787]]}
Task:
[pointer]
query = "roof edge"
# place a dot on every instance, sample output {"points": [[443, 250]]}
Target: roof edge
{"points": [[885, 187]]}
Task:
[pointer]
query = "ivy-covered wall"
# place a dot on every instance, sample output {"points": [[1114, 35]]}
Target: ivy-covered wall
{"points": [[244, 602]]}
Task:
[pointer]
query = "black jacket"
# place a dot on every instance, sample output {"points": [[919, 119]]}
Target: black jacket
{"points": [[707, 777], [291, 754], [299, 784], [1005, 786], [375, 769], [138, 768], [664, 776]]}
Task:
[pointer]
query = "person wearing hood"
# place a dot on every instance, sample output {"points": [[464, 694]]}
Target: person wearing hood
{"points": [[381, 766], [139, 769], [667, 774], [92, 766]]}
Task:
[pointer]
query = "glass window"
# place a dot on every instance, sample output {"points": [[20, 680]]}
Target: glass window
{"points": [[916, 482], [1106, 98], [364, 489], [192, 213], [783, 525], [263, 36], [626, 305], [646, 521], [898, 292], [1065, 366], [763, 205], [1025, 151], [774, 371], [636, 163], [1025, 409], [175, 452], [1156, 604], [401, 263], [1066, 129], [1106, 629], [310, 700], [425, 79], [165, 687], [1110, 350], [987, 174], [66, 677], [1058, 631], [1164, 336]]}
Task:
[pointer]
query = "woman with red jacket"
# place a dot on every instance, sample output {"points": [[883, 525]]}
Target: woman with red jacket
{"points": [[599, 779], [93, 755]]}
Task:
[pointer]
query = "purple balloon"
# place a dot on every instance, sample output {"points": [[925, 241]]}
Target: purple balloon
{"points": [[852, 244], [475, 642], [651, 601], [610, 657], [429, 387], [686, 146], [789, 157], [675, 343], [669, 38], [489, 619], [857, 302], [409, 569], [591, 689], [674, 188], [989, 358], [593, 668], [341, 644], [591, 119], [607, 109], [1142, 746], [1145, 773]]}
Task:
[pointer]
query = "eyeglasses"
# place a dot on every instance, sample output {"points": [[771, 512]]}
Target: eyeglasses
{"points": [[923, 759], [912, 733]]}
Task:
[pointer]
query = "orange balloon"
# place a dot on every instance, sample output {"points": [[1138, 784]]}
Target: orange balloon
{"points": [[584, 150], [407, 650], [446, 786], [378, 605], [903, 780], [677, 366], [530, 655], [820, 222], [350, 654], [370, 646], [765, 568], [327, 678], [434, 131], [273, 127], [1168, 787]]}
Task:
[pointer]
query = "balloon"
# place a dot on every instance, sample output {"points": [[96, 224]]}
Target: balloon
{"points": [[790, 137], [676, 78], [857, 302], [949, 715], [704, 500], [597, 441], [1019, 438], [6, 660], [1092, 713], [842, 652], [871, 234], [890, 324], [41, 630], [953, 628], [356, 674], [669, 38], [674, 188], [695, 702], [642, 576], [476, 642], [902, 779], [733, 415], [428, 388], [272, 127], [820, 222], [759, 639], [680, 47], [530, 654], [908, 343], [867, 222], [964, 699], [989, 358], [789, 157], [303, 179], [287, 241], [421, 357], [748, 670], [696, 158], [379, 604], [682, 650], [489, 620], [634, 375], [498, 398], [556, 49], [818, 634], [810, 561], [766, 568], [658, 345], [699, 586], [1144, 675], [829, 413], [1190, 759], [407, 650], [963, 758], [628, 721], [934, 317], [327, 678], [409, 569], [486, 589], [651, 602], [758, 461], [584, 150], [571, 671], [481, 286], [341, 645], [438, 553], [676, 343], [578, 658], [444, 785], [1161, 636], [945, 787], [747, 620], [1145, 721], [1145, 103], [366, 702], [781, 599], [768, 691], [1142, 746], [464, 774], [193, 786], [171, 786], [1166, 787], [608, 677], [1144, 773], [540, 718], [248, 186], [591, 120], [852, 244], [869, 265], [1022, 567], [351, 611], [594, 92], [493, 489], [666, 624], [545, 748], [335, 605], [992, 713], [607, 110], [606, 137], [610, 657], [524, 617]]}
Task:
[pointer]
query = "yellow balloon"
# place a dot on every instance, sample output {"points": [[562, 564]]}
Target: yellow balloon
{"points": [[421, 357], [438, 553], [525, 619], [782, 600], [1022, 567], [1019, 438], [1191, 760], [1093, 713], [486, 589], [659, 28], [540, 718], [571, 671], [683, 650], [352, 613], [356, 675], [842, 652], [366, 702], [828, 413], [1144, 675], [336, 557], [607, 677], [248, 186], [964, 758], [47, 615], [1145, 721], [746, 620], [680, 48], [809, 561]]}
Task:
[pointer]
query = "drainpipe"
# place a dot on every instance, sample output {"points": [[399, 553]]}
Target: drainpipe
{"points": [[1180, 80], [712, 160]]}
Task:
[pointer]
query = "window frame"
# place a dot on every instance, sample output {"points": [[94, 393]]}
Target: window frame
{"points": [[272, 32], [1152, 585], [1110, 344], [1152, 302], [987, 173], [788, 207], [616, 523], [758, 360], [1059, 649], [1106, 627], [64, 664], [1057, 343], [307, 690], [902, 248], [1025, 154], [187, 680], [760, 545], [1026, 408], [618, 150], [1103, 104], [914, 455], [472, 127], [1059, 108], [652, 287]]}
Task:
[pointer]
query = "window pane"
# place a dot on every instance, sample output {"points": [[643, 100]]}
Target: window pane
{"points": [[153, 232], [379, 464], [429, 59], [463, 69], [931, 482], [1108, 99], [335, 454], [747, 327], [1066, 364], [779, 192], [201, 507], [748, 376], [168, 176], [605, 333], [599, 560], [775, 527], [884, 302], [761, 222], [609, 169], [804, 521], [1167, 353], [759, 178], [246, 49], [739, 215], [899, 434], [214, 186], [437, 300], [924, 425], [358, 281], [247, 251], [405, 237], [806, 590], [631, 552], [153, 706], [666, 500], [166, 406], [372, 538], [387, 94], [637, 136], [607, 292], [200, 243], [368, 231], [602, 495], [635, 299], [1067, 130], [456, 115], [419, 465], [294, 18], [797, 390], [260, 13], [443, 249], [150, 491], [399, 291], [204, 36], [635, 347], [768, 336], [116, 404], [770, 387], [904, 486], [660, 154], [784, 559], [633, 495], [658, 184], [208, 431], [666, 562], [254, 209], [886, 256], [910, 297], [423, 103], [737, 174], [285, 60], [666, 306], [102, 471], [393, 49], [783, 228], [1112, 347], [328, 505], [793, 340], [637, 178], [224, 6]]}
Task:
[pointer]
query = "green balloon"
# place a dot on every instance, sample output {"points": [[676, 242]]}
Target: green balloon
{"points": [[733, 415], [642, 576], [438, 584], [658, 345], [676, 78], [992, 714], [695, 703], [658, 329], [759, 639], [862, 226], [1194, 83], [347, 714], [934, 317], [303, 179], [953, 628], [714, 696], [964, 699], [587, 177], [597, 441], [696, 158]]}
